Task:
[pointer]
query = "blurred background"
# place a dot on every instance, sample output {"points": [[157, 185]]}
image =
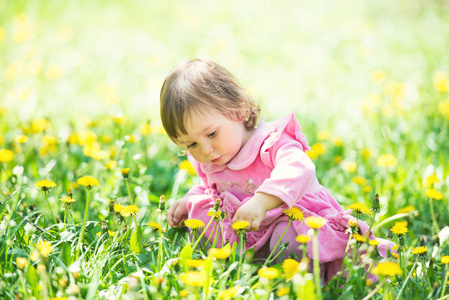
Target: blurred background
{"points": [[365, 78], [319, 59]]}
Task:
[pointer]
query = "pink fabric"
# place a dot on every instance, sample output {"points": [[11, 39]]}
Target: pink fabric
{"points": [[274, 162]]}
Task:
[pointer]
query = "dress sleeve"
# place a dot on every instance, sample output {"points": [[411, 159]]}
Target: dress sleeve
{"points": [[198, 189], [293, 171]]}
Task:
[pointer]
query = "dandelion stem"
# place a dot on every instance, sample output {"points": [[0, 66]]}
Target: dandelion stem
{"points": [[160, 258], [434, 219], [444, 282], [202, 234], [129, 193], [316, 265], [277, 244], [342, 263], [407, 279], [370, 226], [80, 241], [49, 207], [65, 218], [241, 254], [373, 292]]}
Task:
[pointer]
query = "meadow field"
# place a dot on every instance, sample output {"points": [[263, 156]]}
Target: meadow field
{"points": [[87, 171]]}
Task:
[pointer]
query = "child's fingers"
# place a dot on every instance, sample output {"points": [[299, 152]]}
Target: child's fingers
{"points": [[254, 225], [170, 215]]}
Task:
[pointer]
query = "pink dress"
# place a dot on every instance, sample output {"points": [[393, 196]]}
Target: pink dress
{"points": [[273, 161]]}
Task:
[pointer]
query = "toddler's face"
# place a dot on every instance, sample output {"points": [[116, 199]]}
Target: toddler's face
{"points": [[213, 138]]}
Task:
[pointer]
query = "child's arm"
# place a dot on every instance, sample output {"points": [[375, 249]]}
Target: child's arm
{"points": [[255, 209], [177, 211]]}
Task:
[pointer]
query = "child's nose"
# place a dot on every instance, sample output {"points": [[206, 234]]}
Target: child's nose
{"points": [[206, 149]]}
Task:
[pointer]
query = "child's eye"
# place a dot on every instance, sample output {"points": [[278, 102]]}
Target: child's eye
{"points": [[191, 145], [212, 134]]}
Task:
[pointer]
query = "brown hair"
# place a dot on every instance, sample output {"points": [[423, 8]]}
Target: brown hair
{"points": [[202, 86]]}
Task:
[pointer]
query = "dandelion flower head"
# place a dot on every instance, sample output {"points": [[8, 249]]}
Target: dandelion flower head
{"points": [[445, 259], [45, 248], [129, 210], [194, 278], [399, 229], [194, 224], [360, 208], [222, 253], [359, 238], [118, 208], [294, 213], [67, 199], [290, 267], [125, 172], [420, 250], [88, 181], [387, 268], [315, 222], [45, 185], [268, 273], [155, 226], [434, 194], [240, 225], [303, 238], [6, 155]]}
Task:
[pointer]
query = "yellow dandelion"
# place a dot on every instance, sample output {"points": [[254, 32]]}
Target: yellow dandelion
{"points": [[240, 225], [290, 267], [193, 278], [367, 189], [443, 107], [34, 256], [353, 223], [45, 248], [445, 259], [431, 180], [406, 209], [294, 213], [315, 222], [194, 224], [125, 172], [283, 291], [303, 239], [268, 273], [419, 250], [145, 129], [112, 164], [387, 160], [337, 141], [129, 210], [216, 215], [88, 181], [21, 262], [394, 255], [374, 242], [322, 135], [387, 268], [118, 208], [359, 180], [20, 139], [183, 293], [440, 81], [434, 194], [67, 199], [155, 226], [229, 293], [360, 208], [194, 263], [377, 75], [316, 150], [187, 167], [401, 223], [222, 253], [111, 233], [359, 238], [399, 229], [45, 185], [349, 166]]}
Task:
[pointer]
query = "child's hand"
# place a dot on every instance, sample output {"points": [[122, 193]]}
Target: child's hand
{"points": [[177, 212], [252, 212], [255, 209]]}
